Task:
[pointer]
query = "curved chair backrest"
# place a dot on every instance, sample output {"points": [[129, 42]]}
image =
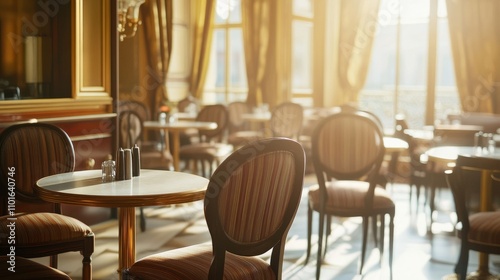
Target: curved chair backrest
{"points": [[252, 198], [236, 110], [29, 152], [465, 184], [136, 106], [348, 146], [213, 113], [286, 120], [130, 124], [189, 100]]}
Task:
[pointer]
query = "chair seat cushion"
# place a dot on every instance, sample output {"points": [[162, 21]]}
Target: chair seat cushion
{"points": [[193, 262], [205, 151], [485, 228], [349, 196], [40, 228], [27, 269]]}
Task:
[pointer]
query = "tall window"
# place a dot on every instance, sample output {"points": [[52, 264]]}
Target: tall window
{"points": [[399, 73], [226, 79], [302, 55]]}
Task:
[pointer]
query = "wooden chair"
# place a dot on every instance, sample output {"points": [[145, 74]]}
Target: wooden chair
{"points": [[189, 104], [211, 148], [27, 269], [286, 121], [131, 133], [29, 152], [239, 131], [348, 150], [418, 169], [250, 203], [478, 230]]}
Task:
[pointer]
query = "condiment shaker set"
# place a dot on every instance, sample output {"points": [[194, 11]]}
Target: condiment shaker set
{"points": [[484, 143], [128, 165]]}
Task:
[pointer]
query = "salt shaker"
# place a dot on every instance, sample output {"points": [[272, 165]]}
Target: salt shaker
{"points": [[136, 161]]}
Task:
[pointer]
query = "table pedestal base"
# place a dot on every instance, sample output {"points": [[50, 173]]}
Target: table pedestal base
{"points": [[126, 235]]}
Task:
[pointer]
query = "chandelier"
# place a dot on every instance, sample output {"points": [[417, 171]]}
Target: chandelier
{"points": [[128, 17]]}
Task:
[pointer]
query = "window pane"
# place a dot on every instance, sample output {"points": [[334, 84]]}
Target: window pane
{"points": [[235, 11], [302, 35], [414, 10], [217, 67], [237, 71], [447, 101], [378, 93], [227, 9], [413, 69], [303, 8], [220, 57]]}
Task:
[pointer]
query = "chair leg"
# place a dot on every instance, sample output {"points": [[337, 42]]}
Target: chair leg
{"points": [[87, 257], [463, 261], [53, 261], [391, 243], [374, 220], [410, 194], [142, 221], [309, 230], [417, 196], [328, 231], [382, 236], [432, 206], [363, 246], [321, 230]]}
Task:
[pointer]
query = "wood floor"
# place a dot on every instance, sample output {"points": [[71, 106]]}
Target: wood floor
{"points": [[417, 255]]}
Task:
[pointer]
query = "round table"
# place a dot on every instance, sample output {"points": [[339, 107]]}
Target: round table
{"points": [[445, 156], [175, 128], [152, 187]]}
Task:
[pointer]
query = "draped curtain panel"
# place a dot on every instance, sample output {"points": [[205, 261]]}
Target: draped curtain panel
{"points": [[157, 27], [475, 41], [202, 43], [260, 25], [358, 24]]}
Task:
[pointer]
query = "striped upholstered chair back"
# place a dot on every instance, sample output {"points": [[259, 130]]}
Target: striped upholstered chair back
{"points": [[35, 150], [214, 113], [253, 196], [471, 186], [250, 203], [348, 146]]}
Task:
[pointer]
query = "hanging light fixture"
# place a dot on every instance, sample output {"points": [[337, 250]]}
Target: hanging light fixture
{"points": [[128, 17]]}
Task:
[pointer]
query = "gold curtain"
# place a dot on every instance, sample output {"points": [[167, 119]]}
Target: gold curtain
{"points": [[157, 27], [202, 43], [475, 41], [259, 20], [358, 23]]}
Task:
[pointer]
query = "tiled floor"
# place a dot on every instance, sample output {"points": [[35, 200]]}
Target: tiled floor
{"points": [[416, 255]]}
